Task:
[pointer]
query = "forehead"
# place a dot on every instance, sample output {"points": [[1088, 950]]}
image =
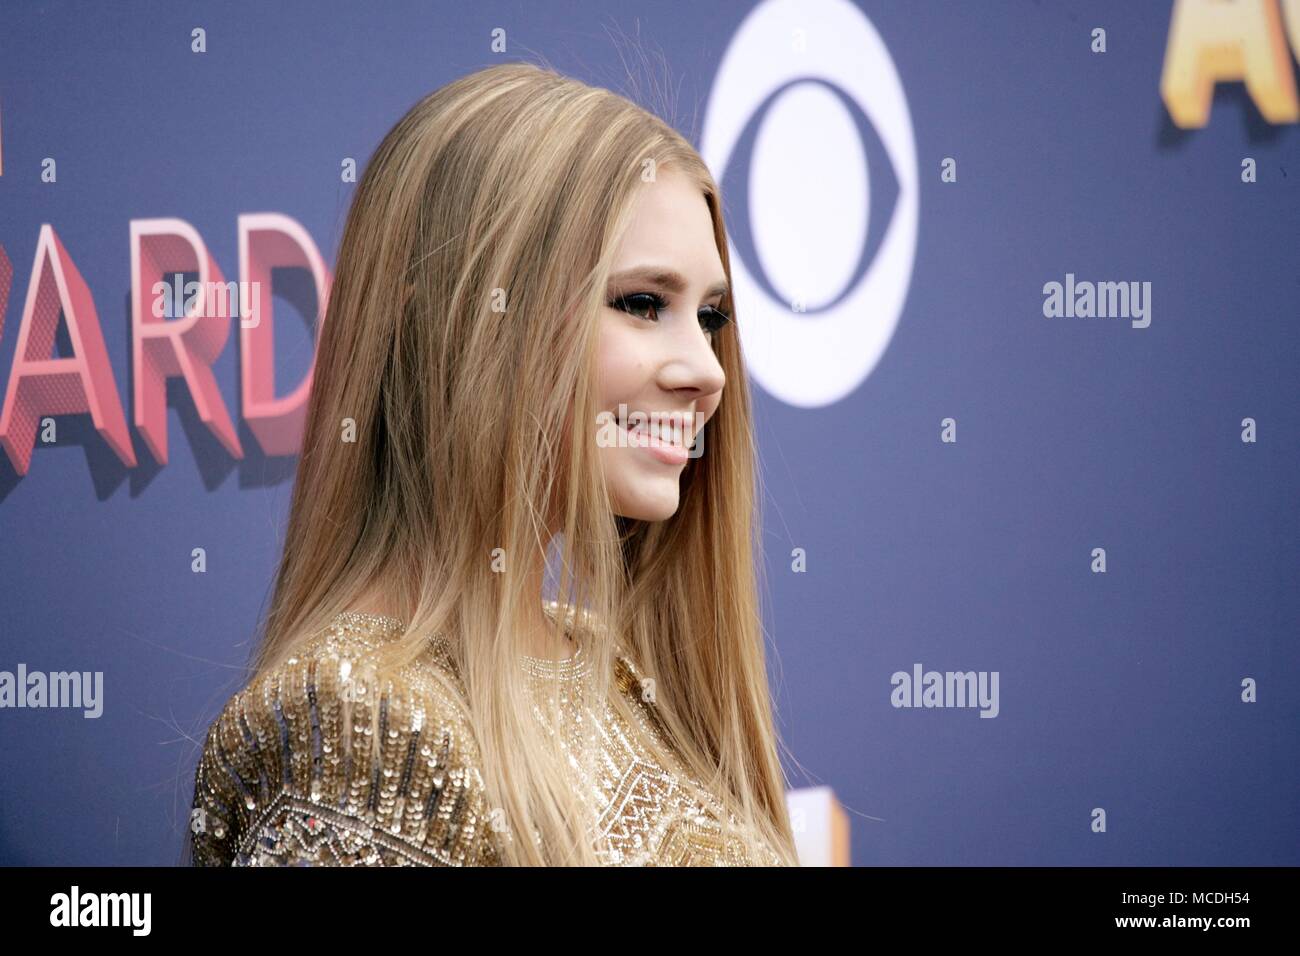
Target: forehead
{"points": [[671, 225]]}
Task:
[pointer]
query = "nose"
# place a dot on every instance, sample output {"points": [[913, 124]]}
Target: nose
{"points": [[691, 368]]}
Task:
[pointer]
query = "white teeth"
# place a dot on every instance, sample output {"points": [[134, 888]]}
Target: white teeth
{"points": [[662, 431]]}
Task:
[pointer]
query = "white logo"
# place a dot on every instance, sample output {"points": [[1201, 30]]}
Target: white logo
{"points": [[814, 318]]}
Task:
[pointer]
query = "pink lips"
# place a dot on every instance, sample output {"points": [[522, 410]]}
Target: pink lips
{"points": [[667, 452]]}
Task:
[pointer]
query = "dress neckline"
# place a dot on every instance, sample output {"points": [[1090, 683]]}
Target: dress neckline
{"points": [[565, 669]]}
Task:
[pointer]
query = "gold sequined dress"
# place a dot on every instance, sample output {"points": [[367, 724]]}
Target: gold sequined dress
{"points": [[292, 773]]}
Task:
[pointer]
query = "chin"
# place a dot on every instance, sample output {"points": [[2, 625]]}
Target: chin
{"points": [[649, 504]]}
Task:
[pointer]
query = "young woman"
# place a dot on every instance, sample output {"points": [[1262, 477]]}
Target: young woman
{"points": [[529, 338]]}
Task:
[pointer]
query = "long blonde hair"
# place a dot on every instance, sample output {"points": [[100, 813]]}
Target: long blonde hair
{"points": [[459, 339]]}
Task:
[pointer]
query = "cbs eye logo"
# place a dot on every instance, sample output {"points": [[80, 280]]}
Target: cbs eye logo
{"points": [[807, 130]]}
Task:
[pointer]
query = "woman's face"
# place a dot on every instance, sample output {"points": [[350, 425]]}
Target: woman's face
{"points": [[658, 378]]}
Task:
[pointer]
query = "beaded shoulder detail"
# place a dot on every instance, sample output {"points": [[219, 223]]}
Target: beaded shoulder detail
{"points": [[319, 762]]}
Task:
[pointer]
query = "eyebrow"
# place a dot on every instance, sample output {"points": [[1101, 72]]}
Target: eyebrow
{"points": [[666, 278]]}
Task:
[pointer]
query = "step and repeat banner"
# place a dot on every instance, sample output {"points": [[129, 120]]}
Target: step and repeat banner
{"points": [[1018, 286]]}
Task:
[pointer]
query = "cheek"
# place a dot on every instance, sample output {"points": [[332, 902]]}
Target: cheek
{"points": [[620, 370]]}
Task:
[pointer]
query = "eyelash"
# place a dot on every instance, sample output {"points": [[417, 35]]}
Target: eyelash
{"points": [[716, 317]]}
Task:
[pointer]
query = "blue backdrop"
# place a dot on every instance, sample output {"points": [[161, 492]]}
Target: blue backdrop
{"points": [[887, 544]]}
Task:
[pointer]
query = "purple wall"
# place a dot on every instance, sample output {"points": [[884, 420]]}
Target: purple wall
{"points": [[1123, 688]]}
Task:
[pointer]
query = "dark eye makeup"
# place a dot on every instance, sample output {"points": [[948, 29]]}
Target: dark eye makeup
{"points": [[637, 303]]}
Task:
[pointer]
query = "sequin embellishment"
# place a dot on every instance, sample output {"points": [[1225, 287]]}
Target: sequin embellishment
{"points": [[292, 774]]}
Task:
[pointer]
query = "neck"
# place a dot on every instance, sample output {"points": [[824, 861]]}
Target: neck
{"points": [[540, 641]]}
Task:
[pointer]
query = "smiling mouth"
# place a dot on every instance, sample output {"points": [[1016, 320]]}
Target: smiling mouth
{"points": [[667, 429]]}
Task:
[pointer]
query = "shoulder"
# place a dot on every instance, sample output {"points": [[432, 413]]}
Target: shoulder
{"points": [[321, 760]]}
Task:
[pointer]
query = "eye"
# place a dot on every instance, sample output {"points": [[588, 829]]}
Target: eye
{"points": [[711, 319], [648, 305], [639, 302]]}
